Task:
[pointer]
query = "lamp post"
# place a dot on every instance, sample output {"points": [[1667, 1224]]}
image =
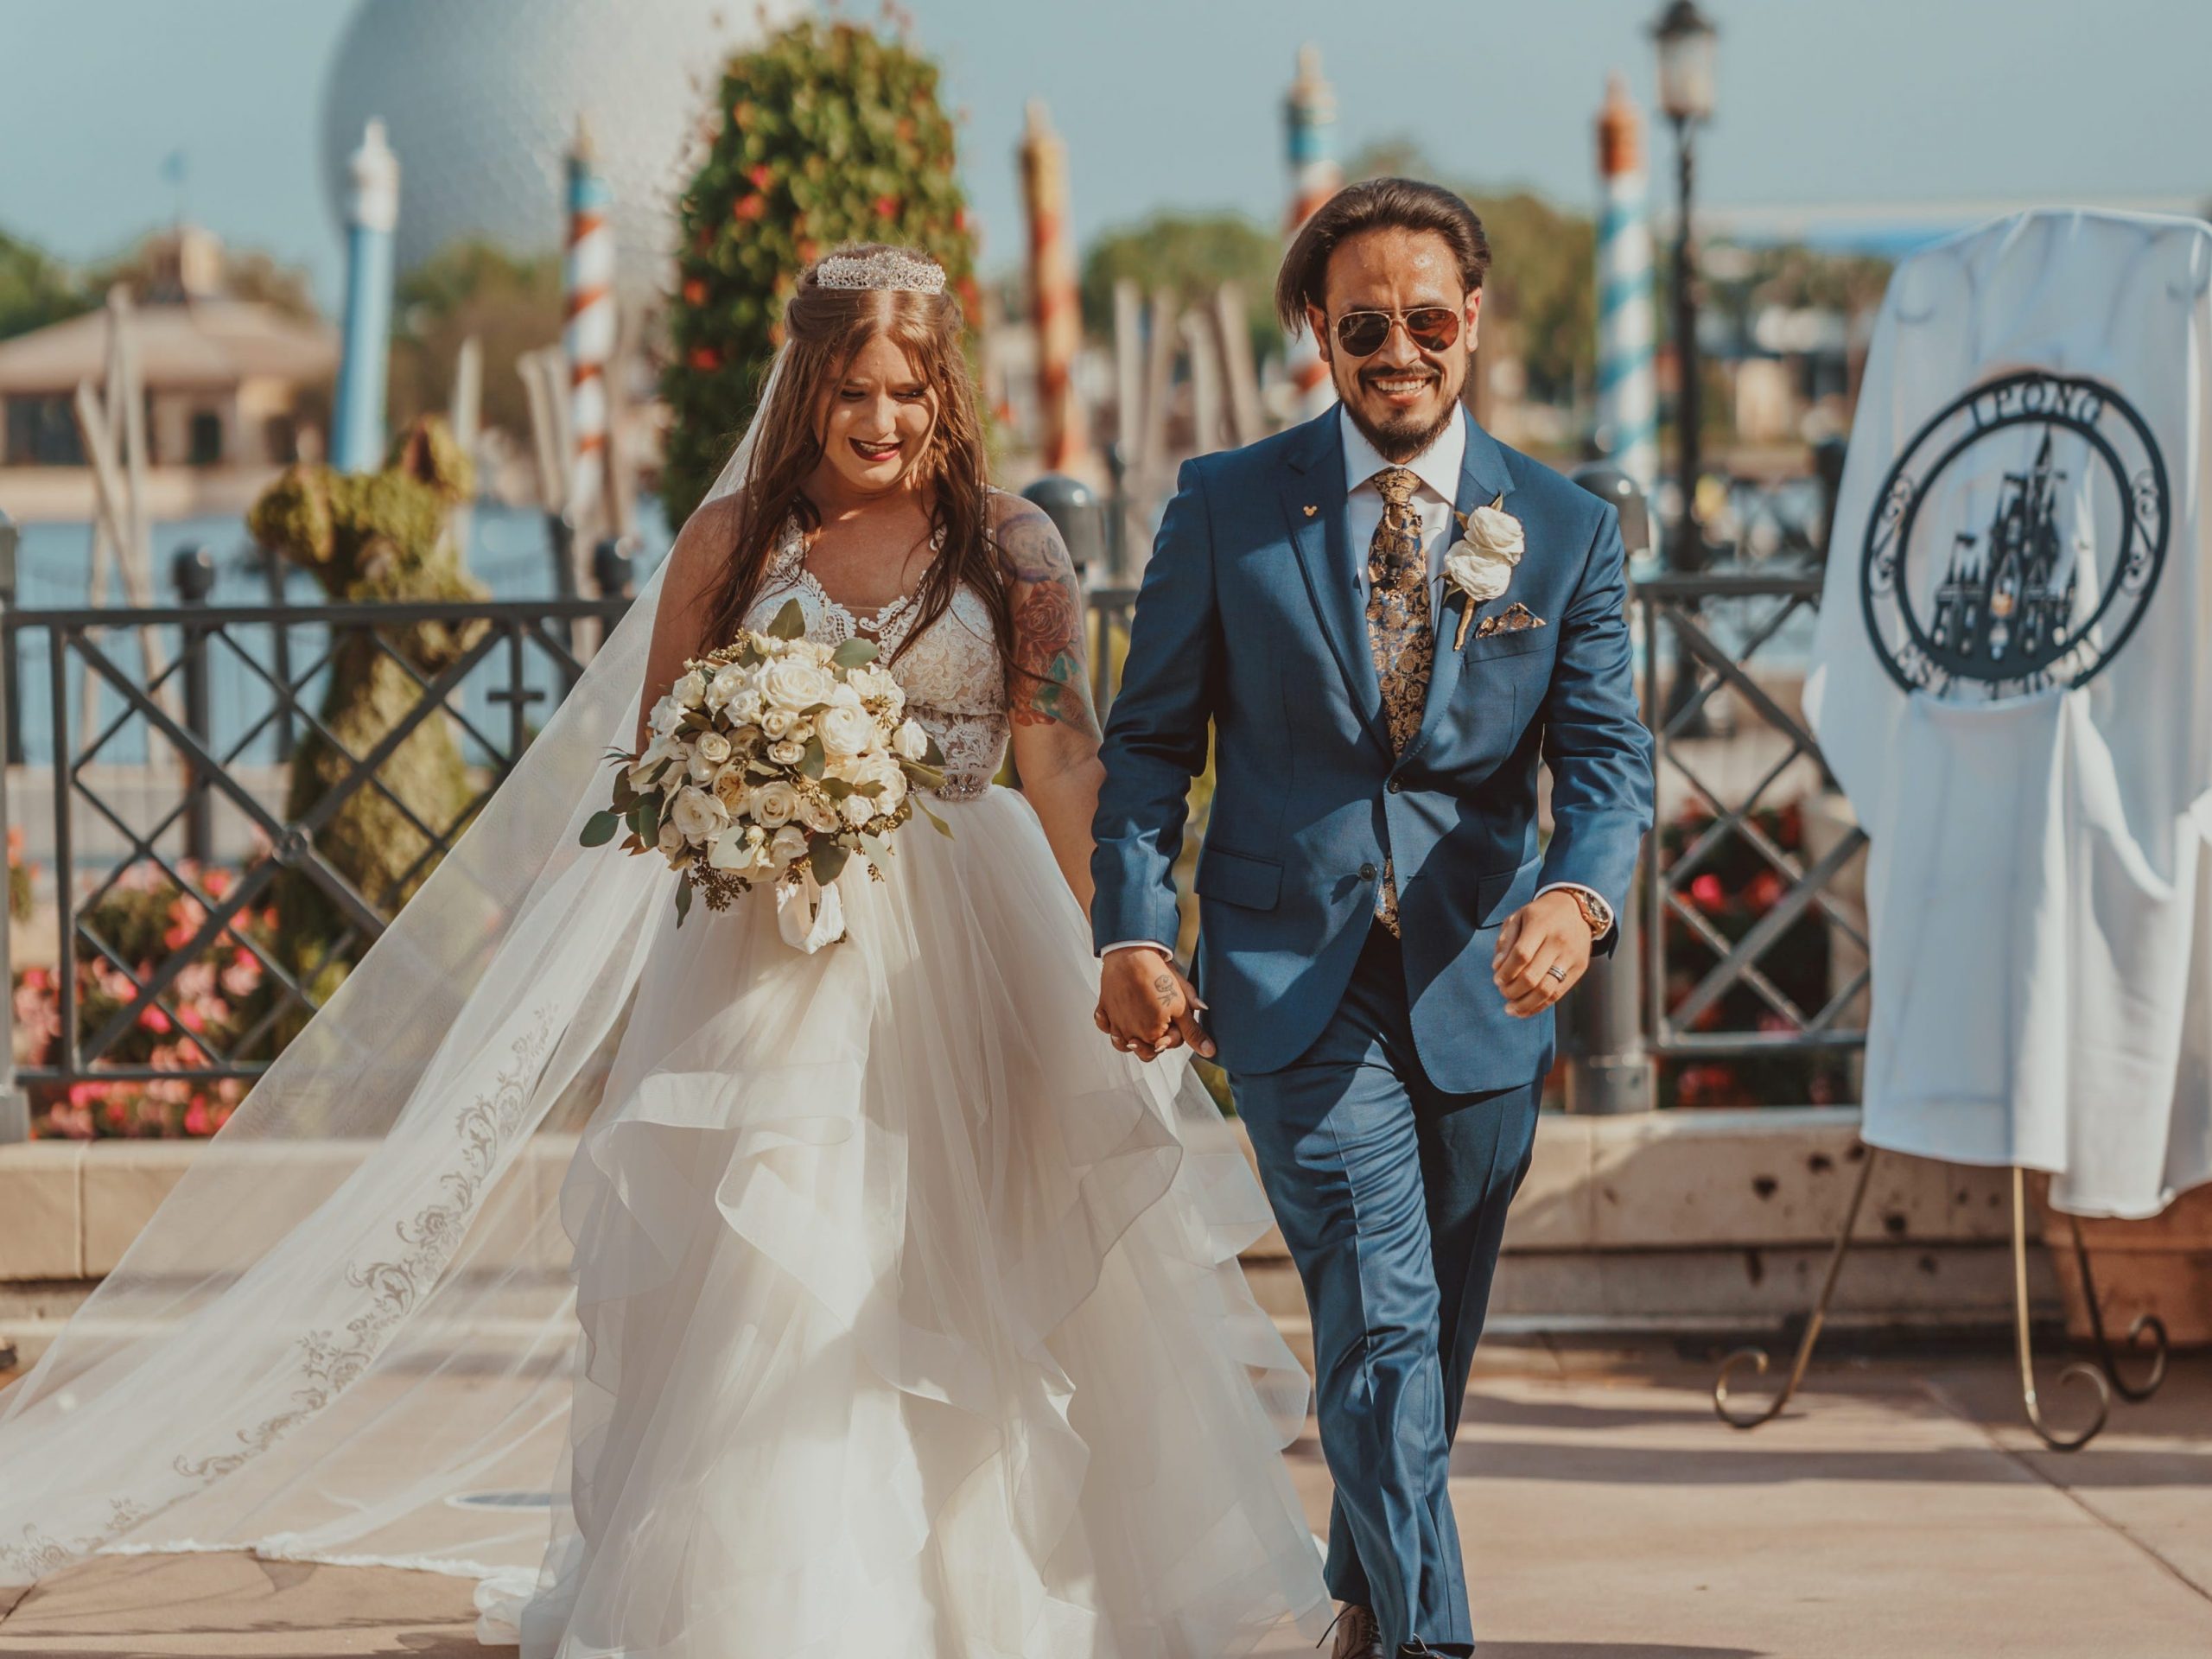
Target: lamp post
{"points": [[1685, 39]]}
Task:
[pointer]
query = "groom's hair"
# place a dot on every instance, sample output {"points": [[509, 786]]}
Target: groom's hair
{"points": [[1375, 205]]}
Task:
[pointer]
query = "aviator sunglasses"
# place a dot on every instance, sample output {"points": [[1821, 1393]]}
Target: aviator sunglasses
{"points": [[1430, 328]]}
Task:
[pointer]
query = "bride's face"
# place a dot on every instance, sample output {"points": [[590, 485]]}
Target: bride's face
{"points": [[877, 419]]}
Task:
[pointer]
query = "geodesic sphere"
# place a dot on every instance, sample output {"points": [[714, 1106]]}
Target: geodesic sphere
{"points": [[480, 101]]}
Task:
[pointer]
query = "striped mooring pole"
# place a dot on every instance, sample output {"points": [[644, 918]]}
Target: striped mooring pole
{"points": [[588, 338], [1628, 392], [1309, 122], [1063, 440], [358, 438]]}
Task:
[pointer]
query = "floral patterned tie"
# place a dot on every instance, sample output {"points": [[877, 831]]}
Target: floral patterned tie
{"points": [[1398, 631]]}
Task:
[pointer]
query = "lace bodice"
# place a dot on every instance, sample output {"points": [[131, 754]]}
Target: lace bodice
{"points": [[954, 681]]}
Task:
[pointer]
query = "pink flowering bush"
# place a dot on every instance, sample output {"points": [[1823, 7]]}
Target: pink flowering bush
{"points": [[1734, 888], [219, 1006]]}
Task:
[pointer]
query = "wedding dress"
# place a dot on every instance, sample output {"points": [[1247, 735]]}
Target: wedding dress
{"points": [[911, 1315], [863, 1302]]}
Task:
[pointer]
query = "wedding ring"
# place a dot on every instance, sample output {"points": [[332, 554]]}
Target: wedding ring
{"points": [[1557, 973]]}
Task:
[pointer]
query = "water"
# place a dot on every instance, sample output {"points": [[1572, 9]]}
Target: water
{"points": [[507, 553]]}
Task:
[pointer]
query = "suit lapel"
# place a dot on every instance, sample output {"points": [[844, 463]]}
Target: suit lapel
{"points": [[1314, 509], [1483, 478]]}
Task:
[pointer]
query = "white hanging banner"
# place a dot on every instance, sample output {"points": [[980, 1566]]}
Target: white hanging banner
{"points": [[2012, 682]]}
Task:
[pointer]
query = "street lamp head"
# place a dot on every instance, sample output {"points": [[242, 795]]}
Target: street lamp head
{"points": [[1686, 38]]}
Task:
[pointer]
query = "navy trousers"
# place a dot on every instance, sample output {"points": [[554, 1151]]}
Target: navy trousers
{"points": [[1392, 1195]]}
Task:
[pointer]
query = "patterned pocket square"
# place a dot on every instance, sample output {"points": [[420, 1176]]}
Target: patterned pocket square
{"points": [[1514, 619]]}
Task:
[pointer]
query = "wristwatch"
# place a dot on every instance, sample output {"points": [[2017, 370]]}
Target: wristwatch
{"points": [[1595, 911]]}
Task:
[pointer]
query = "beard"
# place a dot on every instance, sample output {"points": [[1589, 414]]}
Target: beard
{"points": [[1400, 434]]}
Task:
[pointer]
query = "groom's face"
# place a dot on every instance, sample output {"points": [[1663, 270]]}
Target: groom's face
{"points": [[1402, 395]]}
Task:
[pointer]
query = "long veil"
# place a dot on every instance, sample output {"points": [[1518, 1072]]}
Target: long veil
{"points": [[347, 1335]]}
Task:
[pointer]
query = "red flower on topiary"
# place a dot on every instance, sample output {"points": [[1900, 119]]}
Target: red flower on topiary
{"points": [[762, 175], [887, 207], [706, 358], [752, 207]]}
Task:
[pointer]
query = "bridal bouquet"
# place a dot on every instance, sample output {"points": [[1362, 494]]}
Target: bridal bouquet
{"points": [[774, 759]]}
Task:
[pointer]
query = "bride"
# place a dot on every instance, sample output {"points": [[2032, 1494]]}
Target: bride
{"points": [[877, 1306]]}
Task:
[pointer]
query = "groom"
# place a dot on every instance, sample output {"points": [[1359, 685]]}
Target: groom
{"points": [[1385, 619]]}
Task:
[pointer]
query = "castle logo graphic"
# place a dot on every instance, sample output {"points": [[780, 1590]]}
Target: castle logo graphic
{"points": [[2018, 540]]}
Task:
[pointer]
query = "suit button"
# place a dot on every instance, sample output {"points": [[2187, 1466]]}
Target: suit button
{"points": [[1395, 785], [1367, 872]]}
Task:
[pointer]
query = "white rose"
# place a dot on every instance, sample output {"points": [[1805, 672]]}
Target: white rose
{"points": [[815, 652], [667, 713], [1480, 564], [729, 680], [670, 839], [773, 804], [713, 747], [817, 814], [787, 752], [911, 740], [731, 789], [689, 690], [793, 683], [697, 814], [881, 769], [789, 844], [874, 685], [777, 722], [745, 708], [845, 730], [858, 810]]}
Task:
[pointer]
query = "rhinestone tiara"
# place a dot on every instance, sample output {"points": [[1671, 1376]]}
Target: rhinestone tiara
{"points": [[885, 268]]}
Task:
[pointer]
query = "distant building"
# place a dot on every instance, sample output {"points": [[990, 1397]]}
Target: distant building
{"points": [[231, 384]]}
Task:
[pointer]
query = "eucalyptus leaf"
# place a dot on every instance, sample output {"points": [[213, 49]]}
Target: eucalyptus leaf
{"points": [[682, 901], [853, 652], [943, 828], [814, 759], [789, 623], [836, 788], [829, 862], [600, 829]]}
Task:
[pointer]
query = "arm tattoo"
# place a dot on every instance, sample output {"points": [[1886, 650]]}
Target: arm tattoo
{"points": [[1047, 682]]}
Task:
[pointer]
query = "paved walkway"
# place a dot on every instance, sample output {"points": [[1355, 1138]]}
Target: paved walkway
{"points": [[1900, 1511]]}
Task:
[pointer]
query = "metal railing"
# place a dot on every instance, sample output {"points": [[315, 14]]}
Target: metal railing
{"points": [[175, 786], [1753, 949], [1745, 947]]}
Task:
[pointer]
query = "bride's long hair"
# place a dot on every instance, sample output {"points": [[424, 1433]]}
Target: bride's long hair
{"points": [[824, 328]]}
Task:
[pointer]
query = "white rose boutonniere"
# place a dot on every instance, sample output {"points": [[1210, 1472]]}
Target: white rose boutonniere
{"points": [[1480, 564]]}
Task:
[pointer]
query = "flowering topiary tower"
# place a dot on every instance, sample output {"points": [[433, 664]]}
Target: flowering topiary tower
{"points": [[370, 538], [826, 134]]}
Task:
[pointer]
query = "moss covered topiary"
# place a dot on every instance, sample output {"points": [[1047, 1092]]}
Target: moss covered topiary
{"points": [[373, 537], [826, 134]]}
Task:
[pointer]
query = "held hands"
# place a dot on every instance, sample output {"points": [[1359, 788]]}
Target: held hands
{"points": [[1546, 933], [1147, 1007]]}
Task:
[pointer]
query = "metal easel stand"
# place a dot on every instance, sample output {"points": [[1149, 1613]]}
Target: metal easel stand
{"points": [[2104, 1377]]}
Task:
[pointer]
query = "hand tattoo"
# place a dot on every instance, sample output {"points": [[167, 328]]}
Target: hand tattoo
{"points": [[1047, 681], [1165, 985]]}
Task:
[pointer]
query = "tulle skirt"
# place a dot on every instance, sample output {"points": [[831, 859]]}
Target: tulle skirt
{"points": [[910, 1318]]}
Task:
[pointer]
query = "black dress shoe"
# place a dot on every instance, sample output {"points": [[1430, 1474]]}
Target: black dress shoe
{"points": [[1357, 1636]]}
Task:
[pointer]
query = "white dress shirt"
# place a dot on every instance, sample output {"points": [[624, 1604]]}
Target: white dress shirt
{"points": [[1438, 469]]}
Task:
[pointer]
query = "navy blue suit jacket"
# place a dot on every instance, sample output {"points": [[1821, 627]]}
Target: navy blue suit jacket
{"points": [[1250, 623]]}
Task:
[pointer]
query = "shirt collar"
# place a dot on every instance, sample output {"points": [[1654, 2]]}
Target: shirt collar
{"points": [[1438, 466]]}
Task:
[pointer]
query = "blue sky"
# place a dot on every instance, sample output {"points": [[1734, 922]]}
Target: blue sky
{"points": [[1174, 102]]}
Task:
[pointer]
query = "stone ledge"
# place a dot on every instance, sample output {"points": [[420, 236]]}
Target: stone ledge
{"points": [[1654, 1183]]}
